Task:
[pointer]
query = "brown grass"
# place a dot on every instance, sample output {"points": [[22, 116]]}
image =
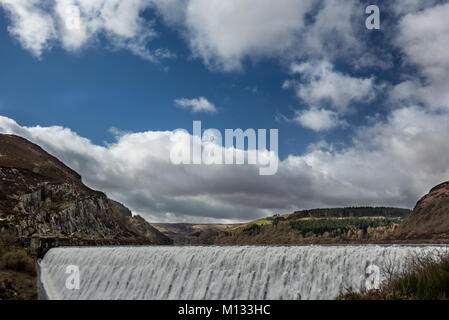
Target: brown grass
{"points": [[425, 277], [18, 279], [18, 260]]}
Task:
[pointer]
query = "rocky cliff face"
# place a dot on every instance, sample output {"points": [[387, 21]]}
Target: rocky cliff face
{"points": [[430, 218], [40, 197]]}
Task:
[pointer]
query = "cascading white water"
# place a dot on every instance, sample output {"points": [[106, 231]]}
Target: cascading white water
{"points": [[243, 272]]}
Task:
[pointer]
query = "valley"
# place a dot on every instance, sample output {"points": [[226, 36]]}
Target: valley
{"points": [[318, 226]]}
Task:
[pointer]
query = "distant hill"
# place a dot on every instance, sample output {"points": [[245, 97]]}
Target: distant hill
{"points": [[181, 233], [45, 203], [352, 212], [333, 225]]}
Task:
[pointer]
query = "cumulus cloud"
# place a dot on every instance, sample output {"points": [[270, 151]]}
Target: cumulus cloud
{"points": [[401, 7], [390, 163], [223, 33], [329, 94], [333, 33], [321, 85], [318, 119], [226, 33], [423, 37], [75, 24], [200, 104], [32, 26]]}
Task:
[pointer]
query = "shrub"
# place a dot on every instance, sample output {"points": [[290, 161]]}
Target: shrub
{"points": [[18, 260], [7, 237], [425, 277]]}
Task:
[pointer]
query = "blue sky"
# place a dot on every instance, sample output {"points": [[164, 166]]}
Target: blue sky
{"points": [[357, 109], [94, 89]]}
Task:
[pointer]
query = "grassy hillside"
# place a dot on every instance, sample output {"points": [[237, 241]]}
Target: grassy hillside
{"points": [[335, 225]]}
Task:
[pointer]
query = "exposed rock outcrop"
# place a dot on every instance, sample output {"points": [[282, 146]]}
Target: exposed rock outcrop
{"points": [[40, 197], [430, 217]]}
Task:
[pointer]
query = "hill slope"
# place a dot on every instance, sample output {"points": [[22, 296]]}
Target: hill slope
{"points": [[430, 217], [45, 203], [317, 226], [180, 233]]}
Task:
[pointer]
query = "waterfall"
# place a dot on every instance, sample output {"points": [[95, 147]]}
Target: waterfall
{"points": [[223, 273]]}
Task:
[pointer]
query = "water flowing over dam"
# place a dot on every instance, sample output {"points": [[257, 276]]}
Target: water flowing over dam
{"points": [[240, 272]]}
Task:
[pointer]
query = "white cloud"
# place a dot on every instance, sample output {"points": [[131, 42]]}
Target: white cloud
{"points": [[223, 33], [333, 31], [433, 94], [32, 26], [391, 163], [171, 11], [321, 85], [401, 7], [75, 24], [200, 104], [424, 39], [318, 119]]}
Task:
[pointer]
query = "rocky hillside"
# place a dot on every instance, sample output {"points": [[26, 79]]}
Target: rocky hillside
{"points": [[430, 218], [42, 199]]}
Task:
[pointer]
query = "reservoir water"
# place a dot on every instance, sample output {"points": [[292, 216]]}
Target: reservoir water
{"points": [[234, 272]]}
